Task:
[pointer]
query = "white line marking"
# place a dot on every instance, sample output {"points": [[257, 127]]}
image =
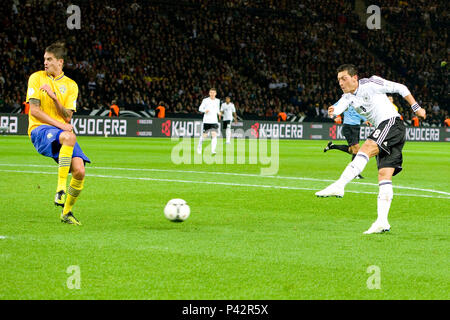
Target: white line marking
{"points": [[218, 183], [231, 174]]}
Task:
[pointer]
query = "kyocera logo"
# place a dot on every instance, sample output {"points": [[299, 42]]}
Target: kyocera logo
{"points": [[333, 132], [165, 127], [255, 130]]}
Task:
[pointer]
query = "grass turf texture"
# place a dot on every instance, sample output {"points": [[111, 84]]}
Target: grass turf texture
{"points": [[240, 242]]}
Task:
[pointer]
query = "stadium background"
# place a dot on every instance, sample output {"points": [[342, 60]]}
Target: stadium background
{"points": [[269, 56], [249, 236]]}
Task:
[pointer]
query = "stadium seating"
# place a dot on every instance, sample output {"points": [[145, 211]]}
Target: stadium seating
{"points": [[268, 56]]}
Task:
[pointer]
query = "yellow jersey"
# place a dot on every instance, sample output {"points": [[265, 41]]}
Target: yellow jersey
{"points": [[66, 91]]}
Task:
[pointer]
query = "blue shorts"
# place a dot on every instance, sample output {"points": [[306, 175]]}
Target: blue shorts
{"points": [[45, 139]]}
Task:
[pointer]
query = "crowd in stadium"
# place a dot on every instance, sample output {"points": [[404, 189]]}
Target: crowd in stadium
{"points": [[269, 56]]}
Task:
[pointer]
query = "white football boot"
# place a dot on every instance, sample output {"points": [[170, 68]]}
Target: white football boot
{"points": [[333, 190], [378, 227]]}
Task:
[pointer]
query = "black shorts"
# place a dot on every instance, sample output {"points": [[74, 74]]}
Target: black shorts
{"points": [[225, 124], [390, 136], [351, 133], [210, 126]]}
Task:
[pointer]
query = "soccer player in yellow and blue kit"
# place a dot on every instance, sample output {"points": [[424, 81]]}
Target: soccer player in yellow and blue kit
{"points": [[52, 97]]}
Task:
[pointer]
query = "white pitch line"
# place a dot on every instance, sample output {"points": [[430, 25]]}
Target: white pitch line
{"points": [[218, 183], [233, 174]]}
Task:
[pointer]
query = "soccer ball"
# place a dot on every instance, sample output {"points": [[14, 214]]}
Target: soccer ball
{"points": [[177, 210]]}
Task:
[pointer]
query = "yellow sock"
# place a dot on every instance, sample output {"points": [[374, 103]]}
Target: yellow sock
{"points": [[75, 188], [64, 161]]}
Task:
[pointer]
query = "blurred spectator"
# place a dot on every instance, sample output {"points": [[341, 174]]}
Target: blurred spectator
{"points": [[114, 109], [25, 108], [282, 116], [161, 110]]}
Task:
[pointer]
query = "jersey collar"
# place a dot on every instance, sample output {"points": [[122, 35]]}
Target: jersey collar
{"points": [[356, 91], [56, 78]]}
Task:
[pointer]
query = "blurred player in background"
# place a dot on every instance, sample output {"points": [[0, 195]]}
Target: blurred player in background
{"points": [[229, 113], [211, 108], [368, 97], [53, 97], [351, 128]]}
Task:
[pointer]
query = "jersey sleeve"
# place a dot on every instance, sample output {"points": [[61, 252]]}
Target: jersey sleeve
{"points": [[233, 108], [33, 91], [221, 107], [202, 106], [341, 105], [71, 102], [381, 85]]}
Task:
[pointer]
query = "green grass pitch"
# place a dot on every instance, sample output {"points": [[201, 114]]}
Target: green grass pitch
{"points": [[248, 237]]}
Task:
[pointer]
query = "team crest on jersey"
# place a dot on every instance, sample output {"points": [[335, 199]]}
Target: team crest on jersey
{"points": [[62, 89], [366, 98], [49, 136]]}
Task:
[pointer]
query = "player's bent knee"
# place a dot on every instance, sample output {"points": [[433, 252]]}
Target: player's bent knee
{"points": [[385, 174], [78, 169], [79, 172], [67, 138], [370, 148]]}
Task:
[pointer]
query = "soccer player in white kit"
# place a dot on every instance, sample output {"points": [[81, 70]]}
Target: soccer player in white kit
{"points": [[368, 98], [229, 112], [211, 108]]}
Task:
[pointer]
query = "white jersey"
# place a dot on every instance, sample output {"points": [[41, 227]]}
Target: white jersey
{"points": [[370, 99], [213, 108], [227, 109]]}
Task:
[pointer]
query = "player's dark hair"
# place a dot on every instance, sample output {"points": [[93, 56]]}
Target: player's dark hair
{"points": [[58, 49], [350, 68], [213, 89]]}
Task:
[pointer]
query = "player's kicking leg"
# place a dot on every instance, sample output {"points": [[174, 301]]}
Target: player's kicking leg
{"points": [[353, 149], [353, 169], [74, 190], [67, 140]]}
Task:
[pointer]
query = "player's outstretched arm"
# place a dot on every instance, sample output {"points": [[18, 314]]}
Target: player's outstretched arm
{"points": [[36, 112], [419, 111]]}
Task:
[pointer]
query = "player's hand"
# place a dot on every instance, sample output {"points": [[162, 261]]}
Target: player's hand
{"points": [[66, 127], [49, 91], [421, 113], [367, 123], [331, 111]]}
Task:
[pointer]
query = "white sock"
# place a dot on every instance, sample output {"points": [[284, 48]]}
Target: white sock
{"points": [[200, 141], [228, 134], [213, 144], [385, 195], [353, 168]]}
